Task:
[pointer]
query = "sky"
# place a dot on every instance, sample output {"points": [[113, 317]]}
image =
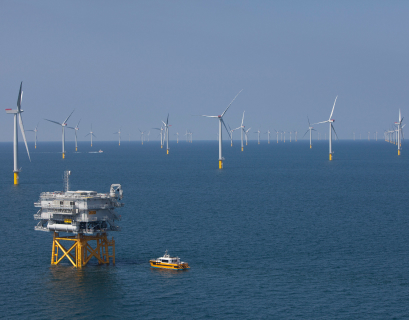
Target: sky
{"points": [[128, 64]]}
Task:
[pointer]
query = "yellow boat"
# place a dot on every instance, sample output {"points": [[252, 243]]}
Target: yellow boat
{"points": [[169, 262]]}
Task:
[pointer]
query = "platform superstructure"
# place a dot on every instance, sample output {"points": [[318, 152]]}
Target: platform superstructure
{"points": [[86, 215]]}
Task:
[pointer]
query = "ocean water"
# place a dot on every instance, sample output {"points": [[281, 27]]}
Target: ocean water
{"points": [[279, 233]]}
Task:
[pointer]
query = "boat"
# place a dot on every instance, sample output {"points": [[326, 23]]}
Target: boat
{"points": [[168, 262], [100, 151]]}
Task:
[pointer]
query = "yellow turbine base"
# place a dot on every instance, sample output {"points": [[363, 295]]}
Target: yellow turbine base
{"points": [[75, 149], [63, 155], [246, 143], [91, 144], [310, 146], [142, 142], [119, 143], [241, 148], [15, 177], [330, 157], [220, 164], [232, 144], [398, 152], [167, 151], [35, 147], [81, 251], [161, 147]]}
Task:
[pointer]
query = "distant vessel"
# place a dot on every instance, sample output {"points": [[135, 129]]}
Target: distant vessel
{"points": [[169, 262], [87, 215], [100, 151]]}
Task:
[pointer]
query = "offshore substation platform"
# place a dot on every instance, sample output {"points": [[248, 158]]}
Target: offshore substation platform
{"points": [[86, 216]]}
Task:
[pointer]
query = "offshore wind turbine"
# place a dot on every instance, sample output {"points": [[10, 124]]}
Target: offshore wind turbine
{"points": [[399, 132], [119, 135], [231, 135], [290, 135], [277, 133], [258, 134], [331, 127], [246, 133], [76, 129], [295, 136], [310, 128], [91, 133], [268, 134], [220, 118], [17, 114], [35, 135], [167, 133], [177, 137], [142, 133], [63, 125], [242, 131]]}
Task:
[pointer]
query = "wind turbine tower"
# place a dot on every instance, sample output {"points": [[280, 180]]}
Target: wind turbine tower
{"points": [[17, 114], [220, 118]]}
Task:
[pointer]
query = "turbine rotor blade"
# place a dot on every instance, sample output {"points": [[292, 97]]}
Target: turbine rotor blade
{"points": [[225, 127], [305, 133], [69, 116], [54, 122], [20, 119], [231, 102], [20, 96], [334, 131], [333, 108]]}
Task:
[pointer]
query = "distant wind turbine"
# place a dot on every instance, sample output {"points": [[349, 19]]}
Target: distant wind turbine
{"points": [[310, 128], [76, 128], [63, 125], [119, 135], [35, 135], [91, 133]]}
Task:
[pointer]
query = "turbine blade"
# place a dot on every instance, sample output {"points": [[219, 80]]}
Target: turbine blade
{"points": [[209, 116], [321, 122], [305, 133], [54, 122], [20, 119], [225, 127], [242, 120], [308, 121], [87, 135], [94, 135], [167, 120], [20, 96], [334, 131], [69, 116], [333, 108], [231, 102]]}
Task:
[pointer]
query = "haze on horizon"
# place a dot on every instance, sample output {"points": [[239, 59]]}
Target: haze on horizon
{"points": [[128, 64]]}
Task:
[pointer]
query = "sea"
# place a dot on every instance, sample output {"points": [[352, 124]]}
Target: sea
{"points": [[280, 232]]}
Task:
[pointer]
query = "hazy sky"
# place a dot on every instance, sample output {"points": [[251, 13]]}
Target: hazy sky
{"points": [[127, 64]]}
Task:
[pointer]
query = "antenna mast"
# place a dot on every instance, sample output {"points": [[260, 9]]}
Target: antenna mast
{"points": [[67, 180]]}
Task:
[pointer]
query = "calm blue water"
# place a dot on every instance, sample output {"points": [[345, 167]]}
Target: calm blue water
{"points": [[279, 233]]}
